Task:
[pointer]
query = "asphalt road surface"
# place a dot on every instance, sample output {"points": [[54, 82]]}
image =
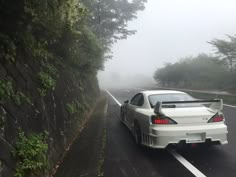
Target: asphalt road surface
{"points": [[123, 158]]}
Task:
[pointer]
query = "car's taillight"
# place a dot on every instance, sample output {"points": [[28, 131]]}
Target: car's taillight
{"points": [[162, 120], [217, 118]]}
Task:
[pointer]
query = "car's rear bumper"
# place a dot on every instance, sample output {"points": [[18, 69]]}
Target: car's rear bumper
{"points": [[162, 136]]}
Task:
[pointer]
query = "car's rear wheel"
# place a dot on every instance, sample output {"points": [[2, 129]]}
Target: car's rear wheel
{"points": [[211, 143], [122, 116], [137, 133]]}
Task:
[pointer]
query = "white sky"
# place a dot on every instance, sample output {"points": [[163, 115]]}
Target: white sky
{"points": [[169, 30]]}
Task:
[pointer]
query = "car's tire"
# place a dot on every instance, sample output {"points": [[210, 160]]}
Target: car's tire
{"points": [[122, 116], [211, 144], [137, 134]]}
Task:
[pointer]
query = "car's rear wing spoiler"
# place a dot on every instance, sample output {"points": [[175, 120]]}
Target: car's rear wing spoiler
{"points": [[214, 104]]}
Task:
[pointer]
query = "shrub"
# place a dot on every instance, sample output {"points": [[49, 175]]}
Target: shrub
{"points": [[30, 153]]}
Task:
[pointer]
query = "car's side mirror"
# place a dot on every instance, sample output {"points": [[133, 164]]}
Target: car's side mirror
{"points": [[157, 107], [126, 101]]}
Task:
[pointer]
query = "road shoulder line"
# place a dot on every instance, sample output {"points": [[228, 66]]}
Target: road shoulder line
{"points": [[176, 155], [113, 97], [231, 106]]}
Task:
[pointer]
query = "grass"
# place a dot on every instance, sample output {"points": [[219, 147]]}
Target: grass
{"points": [[102, 155], [100, 167]]}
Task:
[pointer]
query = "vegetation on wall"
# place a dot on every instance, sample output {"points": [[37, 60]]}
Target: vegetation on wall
{"points": [[7, 92], [6, 89], [30, 153]]}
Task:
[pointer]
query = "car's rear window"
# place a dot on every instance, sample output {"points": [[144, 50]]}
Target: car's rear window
{"points": [[153, 99]]}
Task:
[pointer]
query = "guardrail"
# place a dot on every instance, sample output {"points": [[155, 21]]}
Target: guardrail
{"points": [[228, 98]]}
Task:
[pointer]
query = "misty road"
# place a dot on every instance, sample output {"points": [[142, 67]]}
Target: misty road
{"points": [[123, 158]]}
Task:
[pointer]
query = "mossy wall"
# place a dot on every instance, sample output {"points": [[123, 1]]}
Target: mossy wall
{"points": [[49, 60], [24, 107]]}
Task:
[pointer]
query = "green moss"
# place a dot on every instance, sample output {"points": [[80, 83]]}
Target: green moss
{"points": [[51, 69], [30, 153], [6, 89], [42, 92], [75, 107], [72, 107], [47, 82], [7, 92], [37, 48], [102, 154], [7, 48], [20, 98]]}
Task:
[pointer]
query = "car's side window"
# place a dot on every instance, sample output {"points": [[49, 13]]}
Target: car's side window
{"points": [[134, 99], [141, 100], [137, 100]]}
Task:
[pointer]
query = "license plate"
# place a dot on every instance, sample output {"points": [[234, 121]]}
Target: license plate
{"points": [[195, 137]]}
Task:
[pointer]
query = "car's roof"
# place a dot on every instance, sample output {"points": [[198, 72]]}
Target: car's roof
{"points": [[155, 92]]}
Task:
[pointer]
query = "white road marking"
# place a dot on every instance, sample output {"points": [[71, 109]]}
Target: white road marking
{"points": [[180, 158], [228, 105], [113, 97], [186, 164]]}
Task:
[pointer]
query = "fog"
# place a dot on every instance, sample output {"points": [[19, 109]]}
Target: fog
{"points": [[167, 30]]}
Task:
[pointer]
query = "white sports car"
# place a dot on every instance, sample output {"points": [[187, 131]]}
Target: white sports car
{"points": [[158, 118]]}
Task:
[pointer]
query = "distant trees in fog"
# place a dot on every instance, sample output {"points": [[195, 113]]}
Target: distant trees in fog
{"points": [[226, 50], [204, 71]]}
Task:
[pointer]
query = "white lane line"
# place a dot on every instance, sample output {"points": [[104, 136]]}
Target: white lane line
{"points": [[180, 158], [113, 97], [187, 164], [228, 105]]}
